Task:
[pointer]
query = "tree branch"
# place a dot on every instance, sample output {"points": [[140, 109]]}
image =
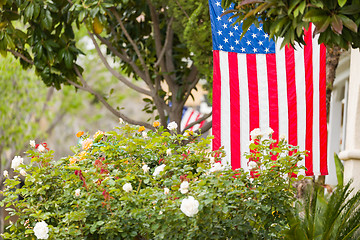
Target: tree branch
{"points": [[158, 45], [205, 128], [194, 79], [17, 54], [87, 88], [206, 116], [177, 2], [167, 39], [115, 73], [118, 19], [123, 56]]}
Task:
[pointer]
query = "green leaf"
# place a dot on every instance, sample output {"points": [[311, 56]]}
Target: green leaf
{"points": [[29, 11], [339, 170], [350, 10], [337, 24], [47, 20], [315, 15], [342, 2], [350, 24], [68, 59], [321, 26]]}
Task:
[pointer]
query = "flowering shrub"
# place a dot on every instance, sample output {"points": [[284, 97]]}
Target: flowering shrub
{"points": [[123, 184]]}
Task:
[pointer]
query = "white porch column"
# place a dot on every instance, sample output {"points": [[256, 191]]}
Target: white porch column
{"points": [[351, 154]]}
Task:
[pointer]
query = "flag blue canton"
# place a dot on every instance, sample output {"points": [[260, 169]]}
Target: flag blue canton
{"points": [[226, 35]]}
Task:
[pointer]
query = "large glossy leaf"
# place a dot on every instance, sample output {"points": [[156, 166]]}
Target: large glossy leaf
{"points": [[350, 24], [337, 24]]}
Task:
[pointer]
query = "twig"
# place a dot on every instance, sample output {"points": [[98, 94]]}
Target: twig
{"points": [[115, 73], [182, 9], [86, 88], [192, 75], [206, 116], [15, 53], [205, 128], [118, 19], [160, 57], [123, 56]]}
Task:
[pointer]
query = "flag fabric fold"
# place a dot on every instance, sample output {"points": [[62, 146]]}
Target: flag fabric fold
{"points": [[257, 84]]}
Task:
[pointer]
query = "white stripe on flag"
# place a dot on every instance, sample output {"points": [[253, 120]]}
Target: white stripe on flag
{"points": [[282, 92], [301, 100], [225, 106], [244, 109], [263, 91], [316, 114]]}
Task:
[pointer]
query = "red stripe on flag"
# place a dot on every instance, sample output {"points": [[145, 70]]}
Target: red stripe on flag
{"points": [[291, 94], [273, 94], [309, 85], [253, 91], [323, 126], [234, 110], [216, 116]]}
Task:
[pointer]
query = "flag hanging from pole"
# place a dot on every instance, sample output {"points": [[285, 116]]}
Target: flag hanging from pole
{"points": [[257, 84]]}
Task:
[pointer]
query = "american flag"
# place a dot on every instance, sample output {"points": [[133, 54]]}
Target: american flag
{"points": [[189, 116], [256, 84]]}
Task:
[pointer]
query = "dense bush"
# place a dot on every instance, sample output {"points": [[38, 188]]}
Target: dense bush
{"points": [[133, 184]]}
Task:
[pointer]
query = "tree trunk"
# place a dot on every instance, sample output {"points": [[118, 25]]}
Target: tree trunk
{"points": [[332, 61]]}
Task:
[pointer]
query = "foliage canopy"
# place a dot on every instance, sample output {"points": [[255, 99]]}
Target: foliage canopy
{"points": [[152, 40]]}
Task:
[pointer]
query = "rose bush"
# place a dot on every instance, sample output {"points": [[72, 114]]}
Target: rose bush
{"points": [[124, 185]]}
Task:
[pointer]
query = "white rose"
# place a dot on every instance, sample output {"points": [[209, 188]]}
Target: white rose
{"points": [[121, 121], [127, 187], [256, 133], [23, 172], [282, 137], [268, 131], [5, 173], [159, 169], [168, 152], [16, 162], [146, 168], [172, 126], [166, 191], [32, 143], [252, 165], [77, 192], [41, 230], [144, 134], [184, 187], [190, 206], [41, 148], [217, 167]]}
